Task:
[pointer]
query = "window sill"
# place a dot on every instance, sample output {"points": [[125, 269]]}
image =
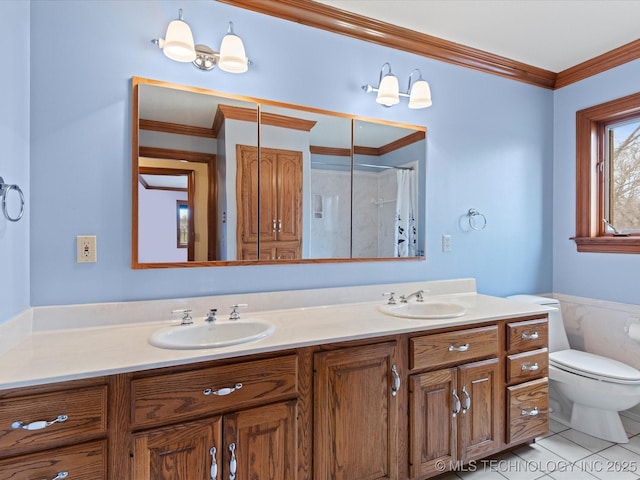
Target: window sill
{"points": [[608, 244]]}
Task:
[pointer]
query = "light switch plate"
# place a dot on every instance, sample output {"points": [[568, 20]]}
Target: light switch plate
{"points": [[86, 249]]}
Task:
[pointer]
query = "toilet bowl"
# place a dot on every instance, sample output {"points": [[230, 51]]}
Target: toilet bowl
{"points": [[587, 390]]}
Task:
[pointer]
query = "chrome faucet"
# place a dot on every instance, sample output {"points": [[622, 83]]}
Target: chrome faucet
{"points": [[186, 316], [235, 315], [419, 296], [211, 316]]}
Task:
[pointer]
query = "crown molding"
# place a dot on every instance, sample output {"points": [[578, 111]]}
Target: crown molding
{"points": [[325, 17]]}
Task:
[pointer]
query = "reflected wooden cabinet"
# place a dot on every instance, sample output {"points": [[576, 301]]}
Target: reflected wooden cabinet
{"points": [[277, 223], [253, 444], [356, 413]]}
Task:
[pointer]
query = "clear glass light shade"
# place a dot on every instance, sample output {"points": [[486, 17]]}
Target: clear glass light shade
{"points": [[178, 42], [420, 96], [233, 58], [388, 91]]}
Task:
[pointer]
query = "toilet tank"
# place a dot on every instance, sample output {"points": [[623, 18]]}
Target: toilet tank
{"points": [[557, 334]]}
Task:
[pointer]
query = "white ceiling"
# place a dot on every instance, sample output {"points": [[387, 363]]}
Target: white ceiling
{"points": [[549, 34]]}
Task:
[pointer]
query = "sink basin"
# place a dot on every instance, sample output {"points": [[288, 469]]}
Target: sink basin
{"points": [[424, 310], [211, 335]]}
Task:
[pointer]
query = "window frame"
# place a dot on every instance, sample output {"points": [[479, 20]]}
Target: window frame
{"points": [[590, 151]]}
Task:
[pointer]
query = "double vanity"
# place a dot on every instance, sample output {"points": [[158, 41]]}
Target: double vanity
{"points": [[319, 384]]}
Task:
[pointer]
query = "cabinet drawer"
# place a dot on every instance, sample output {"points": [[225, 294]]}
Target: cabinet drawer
{"points": [[177, 396], [527, 410], [527, 365], [85, 409], [453, 347], [81, 462], [527, 335]]}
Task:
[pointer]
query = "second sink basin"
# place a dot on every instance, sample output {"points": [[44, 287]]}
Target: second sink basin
{"points": [[211, 335], [424, 310]]}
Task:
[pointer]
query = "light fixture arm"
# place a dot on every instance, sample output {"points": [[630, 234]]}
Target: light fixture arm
{"points": [[411, 75]]}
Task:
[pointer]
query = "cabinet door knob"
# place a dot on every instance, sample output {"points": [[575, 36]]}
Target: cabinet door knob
{"points": [[456, 403], [214, 464], [233, 465], [395, 387], [467, 400], [221, 392], [461, 348], [39, 425], [530, 336]]}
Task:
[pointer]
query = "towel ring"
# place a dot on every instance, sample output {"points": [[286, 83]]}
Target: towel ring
{"points": [[4, 190], [476, 224]]}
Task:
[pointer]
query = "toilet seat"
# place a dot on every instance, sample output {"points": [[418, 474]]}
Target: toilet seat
{"points": [[594, 366]]}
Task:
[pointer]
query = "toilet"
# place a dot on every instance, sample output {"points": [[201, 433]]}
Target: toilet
{"points": [[586, 391]]}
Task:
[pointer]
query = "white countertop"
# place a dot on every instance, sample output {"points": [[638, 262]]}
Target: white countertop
{"points": [[60, 354]]}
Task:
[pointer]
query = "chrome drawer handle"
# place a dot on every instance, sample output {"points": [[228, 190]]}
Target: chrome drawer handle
{"points": [[214, 464], [39, 425], [531, 413], [395, 387], [222, 391], [461, 348], [61, 475], [530, 336], [530, 367], [456, 403], [233, 465]]}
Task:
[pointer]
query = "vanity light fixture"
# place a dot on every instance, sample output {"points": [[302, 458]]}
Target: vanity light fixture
{"points": [[419, 93], [178, 45]]}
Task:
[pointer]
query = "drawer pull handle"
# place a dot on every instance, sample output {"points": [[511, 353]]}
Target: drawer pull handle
{"points": [[467, 400], [461, 348], [530, 367], [233, 465], [214, 464], [61, 475], [530, 336], [395, 387], [222, 391], [456, 403], [531, 413], [39, 425]]}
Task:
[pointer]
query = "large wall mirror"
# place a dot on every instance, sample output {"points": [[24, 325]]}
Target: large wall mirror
{"points": [[227, 180]]}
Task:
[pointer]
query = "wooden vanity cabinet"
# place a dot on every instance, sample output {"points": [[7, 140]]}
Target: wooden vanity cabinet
{"points": [[356, 410], [237, 419], [455, 414], [53, 431], [527, 385]]}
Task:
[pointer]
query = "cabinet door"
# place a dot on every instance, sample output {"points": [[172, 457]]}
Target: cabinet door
{"points": [[433, 435], [356, 414], [289, 188], [179, 452], [480, 418], [247, 195], [263, 442]]}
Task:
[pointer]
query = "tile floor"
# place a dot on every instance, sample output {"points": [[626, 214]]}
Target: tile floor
{"points": [[562, 454]]}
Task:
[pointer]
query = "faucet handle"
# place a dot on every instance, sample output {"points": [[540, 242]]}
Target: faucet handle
{"points": [[235, 315], [391, 300], [186, 315]]}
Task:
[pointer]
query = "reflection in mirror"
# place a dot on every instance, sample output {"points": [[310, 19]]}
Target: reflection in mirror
{"points": [[388, 191], [306, 156], [281, 190]]}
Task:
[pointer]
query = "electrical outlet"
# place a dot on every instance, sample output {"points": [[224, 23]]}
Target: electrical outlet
{"points": [[446, 243], [86, 249]]}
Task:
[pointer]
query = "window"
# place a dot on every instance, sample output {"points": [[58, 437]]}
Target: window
{"points": [[608, 177], [182, 208]]}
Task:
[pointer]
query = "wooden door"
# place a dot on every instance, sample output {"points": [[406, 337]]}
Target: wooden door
{"points": [[289, 198], [247, 195], [480, 423], [263, 441], [433, 434], [356, 415], [178, 452]]}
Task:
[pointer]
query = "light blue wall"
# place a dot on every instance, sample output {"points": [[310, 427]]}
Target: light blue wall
{"points": [[14, 156], [607, 276], [489, 147]]}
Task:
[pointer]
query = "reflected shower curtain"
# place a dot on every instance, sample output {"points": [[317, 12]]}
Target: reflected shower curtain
{"points": [[405, 236]]}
